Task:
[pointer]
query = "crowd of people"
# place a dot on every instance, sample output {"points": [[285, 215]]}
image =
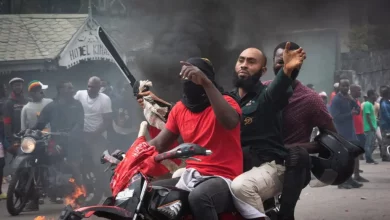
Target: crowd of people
{"points": [[96, 119], [364, 120], [260, 133]]}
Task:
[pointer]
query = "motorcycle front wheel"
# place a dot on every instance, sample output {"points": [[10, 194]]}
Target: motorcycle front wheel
{"points": [[18, 190]]}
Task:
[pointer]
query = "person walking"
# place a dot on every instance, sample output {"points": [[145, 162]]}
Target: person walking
{"points": [[370, 125], [3, 97]]}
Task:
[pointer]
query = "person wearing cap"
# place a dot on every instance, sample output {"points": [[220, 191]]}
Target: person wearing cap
{"points": [[324, 97], [32, 109], [334, 93], [12, 112]]}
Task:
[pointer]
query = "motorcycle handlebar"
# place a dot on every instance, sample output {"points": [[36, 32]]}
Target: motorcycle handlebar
{"points": [[185, 150], [38, 133]]}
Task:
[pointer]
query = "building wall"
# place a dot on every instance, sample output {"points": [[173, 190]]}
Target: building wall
{"points": [[370, 70], [323, 33]]}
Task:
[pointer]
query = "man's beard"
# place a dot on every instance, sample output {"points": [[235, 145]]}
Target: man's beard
{"points": [[247, 84]]}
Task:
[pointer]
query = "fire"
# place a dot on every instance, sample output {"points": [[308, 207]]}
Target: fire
{"points": [[42, 218], [77, 193]]}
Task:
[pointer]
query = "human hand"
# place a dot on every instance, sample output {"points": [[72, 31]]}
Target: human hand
{"points": [[354, 112], [140, 96], [292, 59], [13, 148], [194, 74]]}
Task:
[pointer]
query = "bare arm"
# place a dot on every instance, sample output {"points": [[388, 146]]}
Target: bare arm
{"points": [[163, 140], [23, 119], [226, 115]]}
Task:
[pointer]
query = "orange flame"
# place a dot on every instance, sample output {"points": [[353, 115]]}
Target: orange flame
{"points": [[42, 218], [77, 193]]}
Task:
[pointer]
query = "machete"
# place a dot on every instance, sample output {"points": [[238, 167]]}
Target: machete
{"points": [[114, 53]]}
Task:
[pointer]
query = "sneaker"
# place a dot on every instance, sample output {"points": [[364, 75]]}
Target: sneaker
{"points": [[372, 162], [354, 184], [345, 186], [3, 196], [385, 159], [361, 179]]}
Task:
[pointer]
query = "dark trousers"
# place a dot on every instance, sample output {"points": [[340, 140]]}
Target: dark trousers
{"points": [[296, 177], [2, 164], [209, 198], [2, 159]]}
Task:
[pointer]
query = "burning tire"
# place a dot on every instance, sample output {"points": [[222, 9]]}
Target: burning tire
{"points": [[19, 189]]}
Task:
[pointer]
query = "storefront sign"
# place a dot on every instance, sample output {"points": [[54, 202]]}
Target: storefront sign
{"points": [[85, 46]]}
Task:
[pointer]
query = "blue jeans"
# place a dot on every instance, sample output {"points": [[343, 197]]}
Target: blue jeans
{"points": [[370, 140], [362, 140]]}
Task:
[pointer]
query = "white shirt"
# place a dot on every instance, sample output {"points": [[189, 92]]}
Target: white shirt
{"points": [[93, 109], [31, 112]]}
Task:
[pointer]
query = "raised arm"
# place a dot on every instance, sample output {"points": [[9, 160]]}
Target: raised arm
{"points": [[226, 115], [280, 89]]}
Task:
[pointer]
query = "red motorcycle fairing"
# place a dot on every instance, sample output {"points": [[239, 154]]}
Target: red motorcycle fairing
{"points": [[103, 211]]}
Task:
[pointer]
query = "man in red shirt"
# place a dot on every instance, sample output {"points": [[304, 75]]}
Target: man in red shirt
{"points": [[206, 117], [334, 93], [356, 93]]}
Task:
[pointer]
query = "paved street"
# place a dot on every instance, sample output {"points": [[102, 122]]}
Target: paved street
{"points": [[327, 203]]}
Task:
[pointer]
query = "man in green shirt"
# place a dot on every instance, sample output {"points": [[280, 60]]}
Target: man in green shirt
{"points": [[370, 125]]}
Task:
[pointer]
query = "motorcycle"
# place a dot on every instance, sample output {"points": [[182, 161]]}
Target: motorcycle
{"points": [[142, 199], [40, 171]]}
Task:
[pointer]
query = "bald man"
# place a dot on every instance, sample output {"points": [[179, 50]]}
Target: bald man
{"points": [[261, 136], [97, 119]]}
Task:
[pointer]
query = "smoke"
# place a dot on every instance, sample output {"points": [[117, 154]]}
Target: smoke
{"points": [[190, 29], [218, 30]]}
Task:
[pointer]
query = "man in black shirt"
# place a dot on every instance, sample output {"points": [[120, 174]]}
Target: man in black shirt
{"points": [[65, 114], [12, 110], [261, 136]]}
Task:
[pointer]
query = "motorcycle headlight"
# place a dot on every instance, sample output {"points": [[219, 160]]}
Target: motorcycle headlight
{"points": [[28, 145]]}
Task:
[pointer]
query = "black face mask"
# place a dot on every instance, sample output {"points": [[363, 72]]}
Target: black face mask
{"points": [[247, 84], [194, 97]]}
